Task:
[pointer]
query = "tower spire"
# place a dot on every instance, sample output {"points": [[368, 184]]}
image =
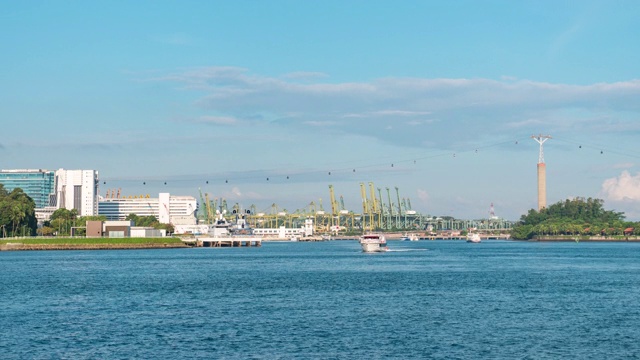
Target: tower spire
{"points": [[540, 139]]}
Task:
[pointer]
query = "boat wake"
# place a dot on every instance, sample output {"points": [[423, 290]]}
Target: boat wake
{"points": [[406, 250]]}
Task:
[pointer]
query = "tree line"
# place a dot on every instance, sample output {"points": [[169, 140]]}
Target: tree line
{"points": [[573, 217]]}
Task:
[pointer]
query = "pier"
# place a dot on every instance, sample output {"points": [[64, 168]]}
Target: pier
{"points": [[229, 242]]}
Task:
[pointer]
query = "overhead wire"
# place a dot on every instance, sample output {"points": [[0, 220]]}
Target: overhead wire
{"points": [[340, 168]]}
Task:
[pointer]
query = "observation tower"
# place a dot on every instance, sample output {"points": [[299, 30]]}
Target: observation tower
{"points": [[542, 172]]}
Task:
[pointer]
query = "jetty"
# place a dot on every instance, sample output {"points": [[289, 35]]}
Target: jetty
{"points": [[231, 241]]}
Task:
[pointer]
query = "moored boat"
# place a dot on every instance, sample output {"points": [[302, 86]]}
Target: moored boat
{"points": [[225, 233], [410, 237], [373, 243]]}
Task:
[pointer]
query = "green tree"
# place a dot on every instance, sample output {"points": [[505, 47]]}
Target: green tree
{"points": [[64, 219], [46, 231], [17, 213], [147, 221]]}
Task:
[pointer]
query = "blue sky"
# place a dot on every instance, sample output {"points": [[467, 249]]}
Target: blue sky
{"points": [[437, 98]]}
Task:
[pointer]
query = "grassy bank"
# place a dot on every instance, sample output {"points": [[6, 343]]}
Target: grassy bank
{"points": [[53, 243]]}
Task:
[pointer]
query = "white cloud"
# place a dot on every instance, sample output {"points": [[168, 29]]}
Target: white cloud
{"points": [[176, 39], [400, 113], [622, 188], [219, 120], [320, 123], [525, 123], [423, 195], [463, 107], [237, 195], [305, 75], [623, 165]]}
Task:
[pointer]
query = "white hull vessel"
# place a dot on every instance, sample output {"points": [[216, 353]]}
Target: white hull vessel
{"points": [[473, 238], [410, 237], [373, 243], [223, 232]]}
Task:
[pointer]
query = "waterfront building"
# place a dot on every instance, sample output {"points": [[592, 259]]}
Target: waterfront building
{"points": [[286, 233], [167, 208], [121, 229], [77, 189], [38, 184]]}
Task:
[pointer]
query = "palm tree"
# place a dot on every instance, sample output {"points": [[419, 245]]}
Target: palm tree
{"points": [[16, 215]]}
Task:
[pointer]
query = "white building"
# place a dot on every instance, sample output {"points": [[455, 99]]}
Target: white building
{"points": [[77, 189], [286, 233], [168, 209]]}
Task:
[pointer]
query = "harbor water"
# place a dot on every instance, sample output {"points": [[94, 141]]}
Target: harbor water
{"points": [[325, 300]]}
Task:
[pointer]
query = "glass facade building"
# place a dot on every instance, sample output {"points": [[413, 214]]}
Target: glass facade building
{"points": [[38, 184]]}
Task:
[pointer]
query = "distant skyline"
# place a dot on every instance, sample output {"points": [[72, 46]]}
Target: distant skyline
{"points": [[270, 102]]}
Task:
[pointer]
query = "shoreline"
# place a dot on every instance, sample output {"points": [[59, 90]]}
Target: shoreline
{"points": [[25, 246], [617, 238], [34, 247], [28, 244]]}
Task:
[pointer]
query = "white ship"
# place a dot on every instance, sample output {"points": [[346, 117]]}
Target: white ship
{"points": [[373, 243], [223, 232], [473, 238]]}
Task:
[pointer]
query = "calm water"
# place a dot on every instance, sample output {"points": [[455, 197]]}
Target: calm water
{"points": [[427, 299]]}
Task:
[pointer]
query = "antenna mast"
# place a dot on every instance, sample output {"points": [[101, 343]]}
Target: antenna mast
{"points": [[540, 139]]}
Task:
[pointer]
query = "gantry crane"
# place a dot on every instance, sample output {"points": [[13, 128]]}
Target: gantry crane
{"points": [[374, 209], [334, 203], [363, 194]]}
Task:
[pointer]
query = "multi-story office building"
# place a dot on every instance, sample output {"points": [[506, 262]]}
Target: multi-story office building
{"points": [[77, 189], [38, 184], [176, 210], [52, 190]]}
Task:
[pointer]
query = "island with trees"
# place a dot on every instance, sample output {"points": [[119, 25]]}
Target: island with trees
{"points": [[577, 219]]}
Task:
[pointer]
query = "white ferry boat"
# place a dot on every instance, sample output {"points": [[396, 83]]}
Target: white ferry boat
{"points": [[473, 238], [373, 243]]}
